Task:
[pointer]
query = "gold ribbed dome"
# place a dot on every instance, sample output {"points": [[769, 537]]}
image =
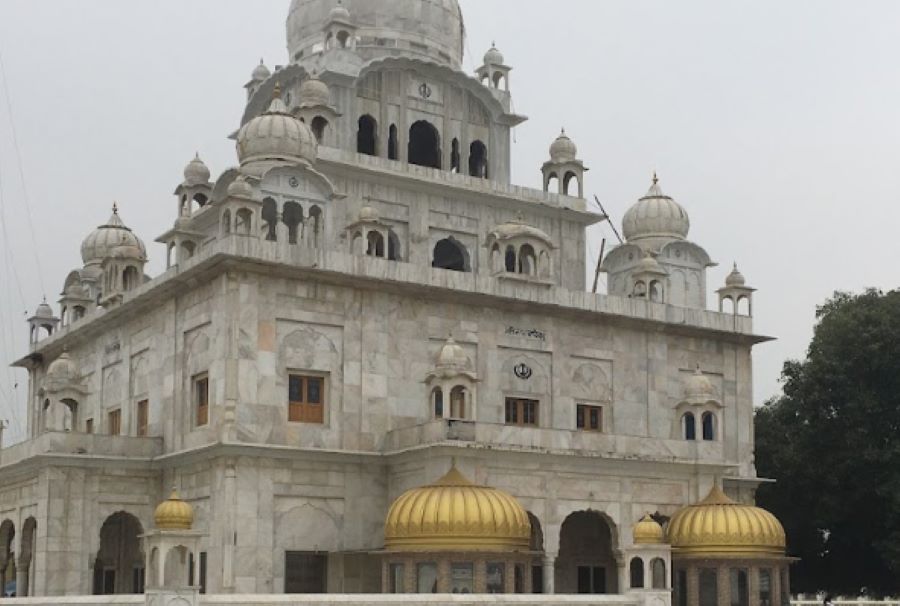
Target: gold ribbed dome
{"points": [[648, 532], [717, 526], [174, 514], [453, 514]]}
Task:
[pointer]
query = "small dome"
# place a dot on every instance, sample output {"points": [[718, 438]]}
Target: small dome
{"points": [[314, 92], [111, 239], [339, 13], [44, 311], [367, 214], [196, 172], [62, 368], [648, 532], [240, 188], [453, 356], [717, 526], [174, 514], [656, 215], [563, 149], [735, 278], [515, 229], [453, 514], [493, 56], [276, 135], [699, 387], [261, 73], [649, 265]]}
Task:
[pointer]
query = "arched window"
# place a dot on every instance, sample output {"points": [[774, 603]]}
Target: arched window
{"points": [[478, 160], [78, 312], [658, 573], [689, 426], [343, 37], [424, 145], [393, 149], [498, 80], [637, 573], [709, 426], [188, 249], [375, 244], [640, 290], [366, 136], [292, 216], [552, 184], [130, 278], [356, 244], [319, 124], [450, 254], [198, 202], [329, 41], [458, 402], [270, 216], [454, 156], [570, 184], [510, 259], [437, 402], [544, 264], [393, 247], [244, 221], [226, 222], [655, 291], [527, 260], [314, 226]]}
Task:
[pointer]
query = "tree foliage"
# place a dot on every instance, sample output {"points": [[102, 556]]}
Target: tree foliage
{"points": [[832, 442]]}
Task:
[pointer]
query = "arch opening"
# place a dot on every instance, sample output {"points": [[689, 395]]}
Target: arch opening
{"points": [[424, 145], [366, 136], [586, 562], [478, 160], [450, 254], [119, 565], [636, 573]]}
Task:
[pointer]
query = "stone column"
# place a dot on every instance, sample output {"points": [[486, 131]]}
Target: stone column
{"points": [[776, 587], [549, 572], [753, 585], [21, 578]]}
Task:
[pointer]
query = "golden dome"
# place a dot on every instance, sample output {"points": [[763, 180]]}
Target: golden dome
{"points": [[453, 514], [174, 514], [717, 526], [648, 532]]}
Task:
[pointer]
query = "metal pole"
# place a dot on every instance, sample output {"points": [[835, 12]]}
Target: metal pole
{"points": [[599, 262]]}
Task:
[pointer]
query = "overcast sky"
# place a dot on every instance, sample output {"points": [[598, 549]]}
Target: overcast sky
{"points": [[775, 124]]}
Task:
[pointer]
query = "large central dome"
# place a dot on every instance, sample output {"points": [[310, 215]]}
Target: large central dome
{"points": [[426, 28]]}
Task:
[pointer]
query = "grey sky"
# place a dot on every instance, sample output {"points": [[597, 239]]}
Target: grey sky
{"points": [[774, 123]]}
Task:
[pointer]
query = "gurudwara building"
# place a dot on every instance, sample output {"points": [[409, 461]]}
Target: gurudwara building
{"points": [[371, 365]]}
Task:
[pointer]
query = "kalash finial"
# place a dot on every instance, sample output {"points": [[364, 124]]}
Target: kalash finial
{"points": [[115, 208], [655, 178]]}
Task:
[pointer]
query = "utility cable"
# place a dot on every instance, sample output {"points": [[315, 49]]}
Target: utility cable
{"points": [[25, 197]]}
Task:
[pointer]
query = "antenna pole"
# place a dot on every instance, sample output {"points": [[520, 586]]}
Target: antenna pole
{"points": [[599, 262], [611, 224]]}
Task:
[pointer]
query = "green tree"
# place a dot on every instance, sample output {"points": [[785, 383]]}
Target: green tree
{"points": [[832, 443]]}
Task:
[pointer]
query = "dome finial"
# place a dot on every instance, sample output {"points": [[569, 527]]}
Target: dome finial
{"points": [[115, 208], [276, 91], [655, 178]]}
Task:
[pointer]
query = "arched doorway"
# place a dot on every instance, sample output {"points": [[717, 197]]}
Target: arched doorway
{"points": [[7, 556], [424, 145], [450, 254], [586, 561], [119, 566]]}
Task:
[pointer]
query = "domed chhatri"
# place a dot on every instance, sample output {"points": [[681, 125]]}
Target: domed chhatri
{"points": [[174, 514], [699, 387], [314, 92], [493, 56], [260, 73], [453, 356], [43, 310], [196, 172], [109, 238], [656, 215], [453, 514], [648, 532], [430, 28], [720, 527], [62, 368], [240, 188], [276, 136], [563, 149], [735, 278]]}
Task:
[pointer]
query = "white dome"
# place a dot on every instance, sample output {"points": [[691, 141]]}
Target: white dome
{"points": [[339, 12], [62, 368], [239, 188], [698, 387], [563, 149], [314, 93], [735, 278], [44, 311], [493, 56], [111, 239], [649, 265], [656, 215], [196, 172], [261, 73], [276, 135], [453, 356], [367, 214], [418, 28]]}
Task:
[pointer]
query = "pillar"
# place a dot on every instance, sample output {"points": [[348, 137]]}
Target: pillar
{"points": [[549, 572], [22, 578]]}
